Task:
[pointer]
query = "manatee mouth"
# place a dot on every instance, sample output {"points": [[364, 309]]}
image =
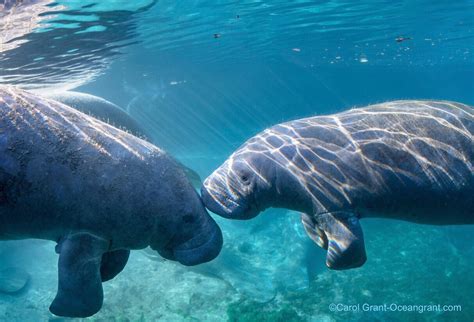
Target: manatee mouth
{"points": [[211, 203], [194, 251], [224, 206]]}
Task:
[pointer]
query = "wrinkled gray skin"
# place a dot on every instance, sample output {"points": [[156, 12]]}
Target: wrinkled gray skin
{"points": [[408, 160], [98, 192], [110, 113]]}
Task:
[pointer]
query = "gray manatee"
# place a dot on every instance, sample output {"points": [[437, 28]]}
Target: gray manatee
{"points": [[407, 160], [110, 113], [98, 192], [101, 109]]}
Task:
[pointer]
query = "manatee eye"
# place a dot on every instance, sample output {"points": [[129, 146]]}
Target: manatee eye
{"points": [[245, 179]]}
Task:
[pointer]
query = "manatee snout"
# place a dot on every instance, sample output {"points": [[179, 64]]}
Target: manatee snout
{"points": [[204, 245], [202, 248], [225, 204], [210, 201]]}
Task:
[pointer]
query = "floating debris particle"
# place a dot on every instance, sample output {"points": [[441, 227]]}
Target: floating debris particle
{"points": [[400, 39]]}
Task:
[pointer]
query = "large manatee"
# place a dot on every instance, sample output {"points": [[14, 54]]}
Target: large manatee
{"points": [[98, 192], [110, 113], [408, 160]]}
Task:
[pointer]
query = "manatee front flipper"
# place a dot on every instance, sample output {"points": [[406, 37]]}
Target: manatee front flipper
{"points": [[340, 232], [315, 233], [113, 263], [80, 285]]}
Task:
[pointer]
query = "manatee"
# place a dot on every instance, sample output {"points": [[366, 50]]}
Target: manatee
{"points": [[111, 113], [13, 280], [101, 109], [408, 160], [98, 192]]}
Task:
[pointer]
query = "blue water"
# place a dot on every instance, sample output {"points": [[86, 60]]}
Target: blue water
{"points": [[202, 77]]}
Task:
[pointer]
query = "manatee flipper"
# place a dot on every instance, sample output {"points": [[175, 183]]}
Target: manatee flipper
{"points": [[113, 263], [192, 175], [315, 233], [79, 286], [346, 247]]}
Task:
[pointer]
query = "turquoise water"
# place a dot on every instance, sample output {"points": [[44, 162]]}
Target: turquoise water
{"points": [[203, 76]]}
